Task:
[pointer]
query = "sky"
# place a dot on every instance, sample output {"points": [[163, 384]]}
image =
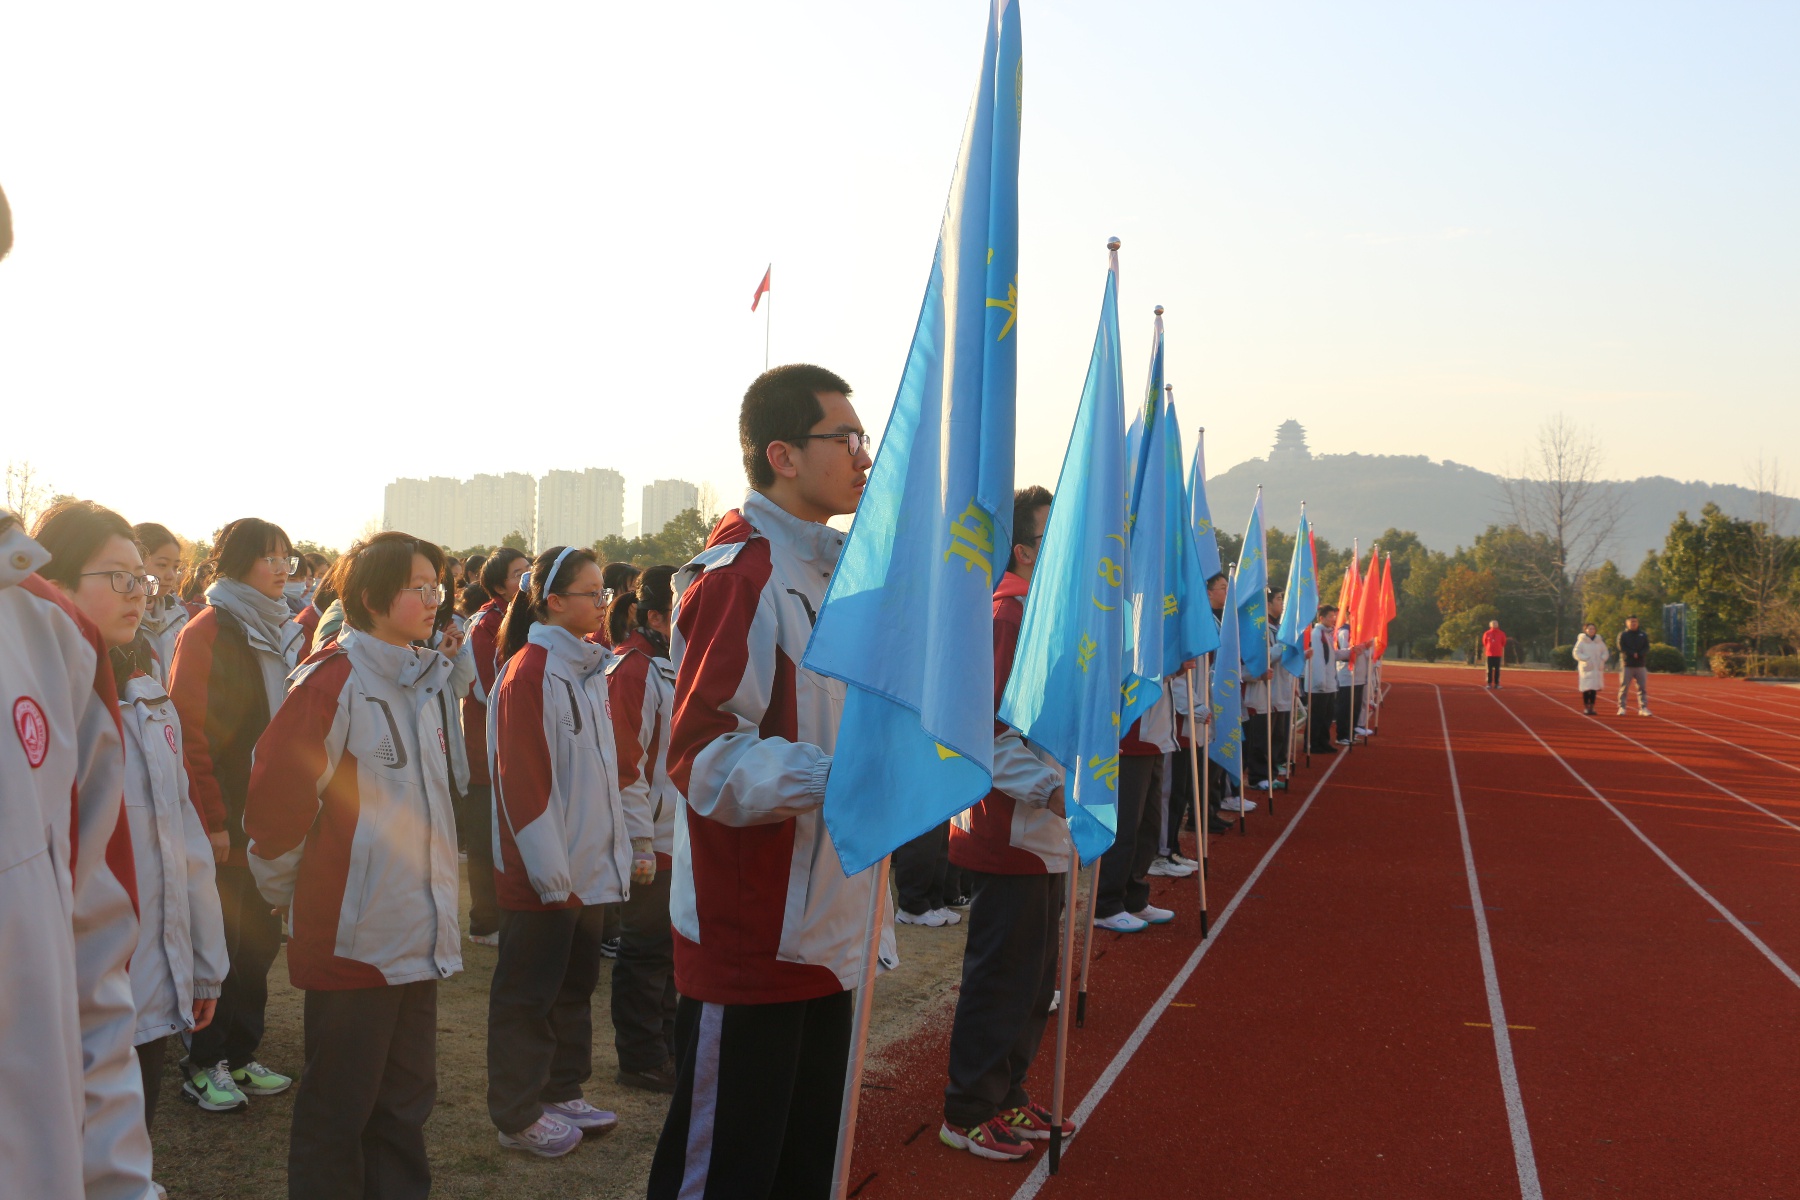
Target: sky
{"points": [[270, 258]]}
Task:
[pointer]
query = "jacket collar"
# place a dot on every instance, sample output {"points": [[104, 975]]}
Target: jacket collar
{"points": [[1011, 586], [19, 555], [582, 657], [408, 666], [143, 689], [814, 544]]}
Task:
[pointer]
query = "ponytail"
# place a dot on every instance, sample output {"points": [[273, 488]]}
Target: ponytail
{"points": [[619, 616], [552, 571]]}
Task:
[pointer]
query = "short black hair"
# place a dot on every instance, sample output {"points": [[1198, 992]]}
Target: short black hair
{"points": [[616, 577], [244, 541], [781, 405], [494, 570], [152, 537], [1026, 501], [1214, 578], [73, 531], [379, 568]]}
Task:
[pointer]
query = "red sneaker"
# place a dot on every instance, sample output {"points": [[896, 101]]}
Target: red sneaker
{"points": [[1032, 1120], [990, 1139]]}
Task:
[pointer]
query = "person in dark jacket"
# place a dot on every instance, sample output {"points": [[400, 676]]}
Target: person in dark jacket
{"points": [[500, 577], [1634, 666]]}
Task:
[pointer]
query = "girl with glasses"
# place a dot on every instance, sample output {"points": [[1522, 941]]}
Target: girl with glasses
{"points": [[228, 677], [563, 853]]}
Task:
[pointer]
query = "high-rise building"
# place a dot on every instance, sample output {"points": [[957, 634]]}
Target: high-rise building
{"points": [[423, 507], [578, 508], [665, 500], [488, 507]]}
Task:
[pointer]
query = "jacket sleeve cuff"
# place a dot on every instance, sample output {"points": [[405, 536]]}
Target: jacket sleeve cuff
{"points": [[821, 772], [207, 991]]}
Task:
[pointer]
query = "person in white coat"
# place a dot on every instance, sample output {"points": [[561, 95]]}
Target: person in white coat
{"points": [[165, 616], [1590, 665]]}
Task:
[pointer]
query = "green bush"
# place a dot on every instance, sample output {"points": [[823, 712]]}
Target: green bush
{"points": [[1785, 666], [1727, 659], [1665, 658], [1562, 658]]}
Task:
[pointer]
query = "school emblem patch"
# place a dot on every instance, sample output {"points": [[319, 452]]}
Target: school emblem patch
{"points": [[169, 737], [32, 728]]}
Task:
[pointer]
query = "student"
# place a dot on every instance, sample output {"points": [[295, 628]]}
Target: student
{"points": [[1590, 665], [500, 575], [70, 739], [1321, 678], [228, 678], [1267, 702], [165, 616], [768, 931], [351, 830], [564, 854], [1634, 657], [1281, 691], [1353, 679], [617, 579], [1493, 645], [641, 683], [1015, 844]]}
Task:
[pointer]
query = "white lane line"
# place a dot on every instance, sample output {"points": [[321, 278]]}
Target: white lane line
{"points": [[1730, 917], [1728, 742], [1040, 1172], [1705, 708], [1523, 1158], [1711, 783]]}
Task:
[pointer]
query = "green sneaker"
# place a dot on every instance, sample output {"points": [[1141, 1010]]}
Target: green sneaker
{"points": [[211, 1088], [254, 1079]]}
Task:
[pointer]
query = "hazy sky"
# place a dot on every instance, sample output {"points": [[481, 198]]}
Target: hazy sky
{"points": [[270, 258]]}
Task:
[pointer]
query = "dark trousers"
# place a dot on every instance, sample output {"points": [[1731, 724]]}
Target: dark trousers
{"points": [[1180, 813], [150, 1063], [369, 1085], [1588, 697], [1319, 709], [540, 1046], [1008, 980], [759, 1089], [1256, 747], [1284, 724], [643, 979], [252, 939], [475, 821], [1493, 676], [1124, 868], [1349, 709], [922, 871]]}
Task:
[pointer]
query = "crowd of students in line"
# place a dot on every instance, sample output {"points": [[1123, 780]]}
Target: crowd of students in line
{"points": [[635, 766]]}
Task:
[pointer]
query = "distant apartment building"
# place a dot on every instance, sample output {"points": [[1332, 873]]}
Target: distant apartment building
{"points": [[665, 500], [578, 508], [488, 507], [424, 508]]}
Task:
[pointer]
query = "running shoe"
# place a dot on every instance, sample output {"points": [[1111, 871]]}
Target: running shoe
{"points": [[950, 915], [934, 918], [1182, 860], [578, 1114], [545, 1137], [990, 1139], [1621, 711], [657, 1079], [1166, 867], [1032, 1122], [1121, 923], [961, 902], [254, 1079], [1152, 915], [211, 1088], [485, 939], [1361, 732], [1643, 712], [1237, 804], [609, 948]]}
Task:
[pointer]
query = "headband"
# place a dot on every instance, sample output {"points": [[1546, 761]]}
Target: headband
{"points": [[556, 567]]}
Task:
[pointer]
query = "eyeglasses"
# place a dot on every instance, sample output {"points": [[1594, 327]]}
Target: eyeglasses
{"points": [[856, 442], [125, 583], [290, 564], [431, 594], [597, 596]]}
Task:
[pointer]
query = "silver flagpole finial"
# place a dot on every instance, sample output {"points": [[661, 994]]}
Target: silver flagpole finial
{"points": [[1112, 243], [1159, 310]]}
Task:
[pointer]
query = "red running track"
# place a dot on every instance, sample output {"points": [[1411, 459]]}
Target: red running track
{"points": [[1336, 1036]]}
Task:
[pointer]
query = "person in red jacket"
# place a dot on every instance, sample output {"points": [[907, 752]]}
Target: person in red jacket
{"points": [[1493, 644], [1015, 844], [500, 580]]}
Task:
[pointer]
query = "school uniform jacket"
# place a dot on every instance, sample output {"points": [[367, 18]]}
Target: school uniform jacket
{"points": [[1011, 831], [1353, 666], [641, 684], [1257, 691], [1322, 657], [164, 619], [180, 955], [484, 650], [560, 836], [762, 911], [69, 1083], [350, 820], [1154, 732]]}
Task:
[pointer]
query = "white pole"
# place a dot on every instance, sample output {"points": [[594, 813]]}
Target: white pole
{"points": [[1196, 736], [1066, 979], [859, 1037]]}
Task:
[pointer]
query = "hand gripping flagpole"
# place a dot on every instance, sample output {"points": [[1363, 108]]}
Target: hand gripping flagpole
{"points": [[1203, 816], [859, 1036], [1066, 976]]}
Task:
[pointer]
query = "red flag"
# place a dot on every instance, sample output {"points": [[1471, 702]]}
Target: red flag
{"points": [[1368, 603], [1389, 610], [762, 288]]}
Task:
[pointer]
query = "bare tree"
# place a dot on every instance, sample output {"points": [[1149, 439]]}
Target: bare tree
{"points": [[26, 493], [1558, 493], [1763, 573]]}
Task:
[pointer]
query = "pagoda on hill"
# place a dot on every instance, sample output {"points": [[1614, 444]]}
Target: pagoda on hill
{"points": [[1290, 444]]}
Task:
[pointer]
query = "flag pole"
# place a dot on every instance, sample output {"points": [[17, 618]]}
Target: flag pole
{"points": [[1066, 976], [1203, 816], [1269, 737], [1087, 944], [859, 1037]]}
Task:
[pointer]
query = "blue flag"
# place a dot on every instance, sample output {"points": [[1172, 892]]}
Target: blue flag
{"points": [[1064, 691], [1205, 537], [1301, 601], [934, 527], [1170, 621], [1226, 746], [1253, 595], [1136, 449]]}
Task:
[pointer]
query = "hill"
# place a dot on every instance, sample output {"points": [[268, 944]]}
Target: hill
{"points": [[1446, 503]]}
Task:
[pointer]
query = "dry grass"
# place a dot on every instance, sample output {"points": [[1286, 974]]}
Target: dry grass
{"points": [[202, 1155]]}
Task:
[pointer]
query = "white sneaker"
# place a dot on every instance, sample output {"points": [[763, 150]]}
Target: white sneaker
{"points": [[1361, 732], [1121, 923], [1643, 712], [934, 918], [1621, 711], [1152, 915], [1182, 860], [582, 1116], [1170, 870], [545, 1137], [1237, 804], [485, 939], [1056, 1000], [950, 915]]}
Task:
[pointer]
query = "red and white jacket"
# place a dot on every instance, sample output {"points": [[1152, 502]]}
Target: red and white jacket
{"points": [[164, 619], [560, 835], [483, 647], [350, 820], [1012, 832], [641, 685], [69, 1082], [763, 913]]}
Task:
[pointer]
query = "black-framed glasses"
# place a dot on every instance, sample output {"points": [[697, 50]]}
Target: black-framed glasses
{"points": [[125, 583], [431, 594], [856, 441]]}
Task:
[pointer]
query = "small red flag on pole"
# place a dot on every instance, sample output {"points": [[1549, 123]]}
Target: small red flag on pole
{"points": [[762, 288]]}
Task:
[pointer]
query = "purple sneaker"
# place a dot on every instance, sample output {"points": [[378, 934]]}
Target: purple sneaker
{"points": [[583, 1116], [546, 1137]]}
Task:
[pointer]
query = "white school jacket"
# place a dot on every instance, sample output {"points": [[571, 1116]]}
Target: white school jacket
{"points": [[164, 619], [180, 954], [1322, 657], [640, 684]]}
